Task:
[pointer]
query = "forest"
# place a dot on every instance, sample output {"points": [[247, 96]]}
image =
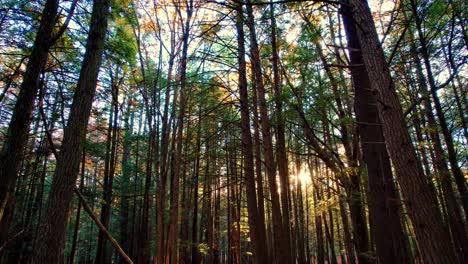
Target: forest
{"points": [[234, 131]]}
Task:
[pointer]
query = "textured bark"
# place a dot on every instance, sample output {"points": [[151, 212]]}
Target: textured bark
{"points": [[17, 133], [53, 226], [427, 223], [384, 205]]}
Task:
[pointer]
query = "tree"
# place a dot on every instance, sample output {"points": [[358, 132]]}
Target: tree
{"points": [[17, 134], [50, 245], [257, 230], [427, 222], [323, 142]]}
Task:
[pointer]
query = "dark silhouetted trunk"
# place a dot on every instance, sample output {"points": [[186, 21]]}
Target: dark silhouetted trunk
{"points": [[282, 159], [257, 232], [452, 154], [52, 228], [17, 133], [125, 185], [384, 204], [426, 219], [282, 250]]}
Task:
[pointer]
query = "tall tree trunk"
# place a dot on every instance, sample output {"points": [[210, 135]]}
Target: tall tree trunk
{"points": [[235, 232], [125, 185], [318, 227], [452, 155], [258, 162], [282, 159], [282, 250], [178, 160], [217, 231], [101, 252], [384, 206], [163, 170], [451, 206], [17, 133], [346, 231], [195, 255], [50, 244], [423, 212], [256, 231]]}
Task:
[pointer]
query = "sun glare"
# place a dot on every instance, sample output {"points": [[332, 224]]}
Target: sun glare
{"points": [[303, 175]]}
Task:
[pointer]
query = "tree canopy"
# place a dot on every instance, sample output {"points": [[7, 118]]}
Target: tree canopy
{"points": [[240, 131]]}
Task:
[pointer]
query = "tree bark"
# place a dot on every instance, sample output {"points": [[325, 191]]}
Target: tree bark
{"points": [[17, 133], [53, 226], [384, 205], [423, 212]]}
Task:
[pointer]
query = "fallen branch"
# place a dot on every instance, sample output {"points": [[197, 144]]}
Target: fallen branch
{"points": [[88, 210], [5, 245], [114, 242]]}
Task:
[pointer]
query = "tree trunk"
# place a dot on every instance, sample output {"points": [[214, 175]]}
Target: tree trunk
{"points": [[101, 252], [125, 185], [451, 207], [423, 212], [17, 133], [282, 159], [53, 226], [256, 231], [178, 160], [452, 155], [384, 206], [282, 250], [195, 255]]}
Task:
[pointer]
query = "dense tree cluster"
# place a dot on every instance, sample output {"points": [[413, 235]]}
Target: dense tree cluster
{"points": [[240, 131]]}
